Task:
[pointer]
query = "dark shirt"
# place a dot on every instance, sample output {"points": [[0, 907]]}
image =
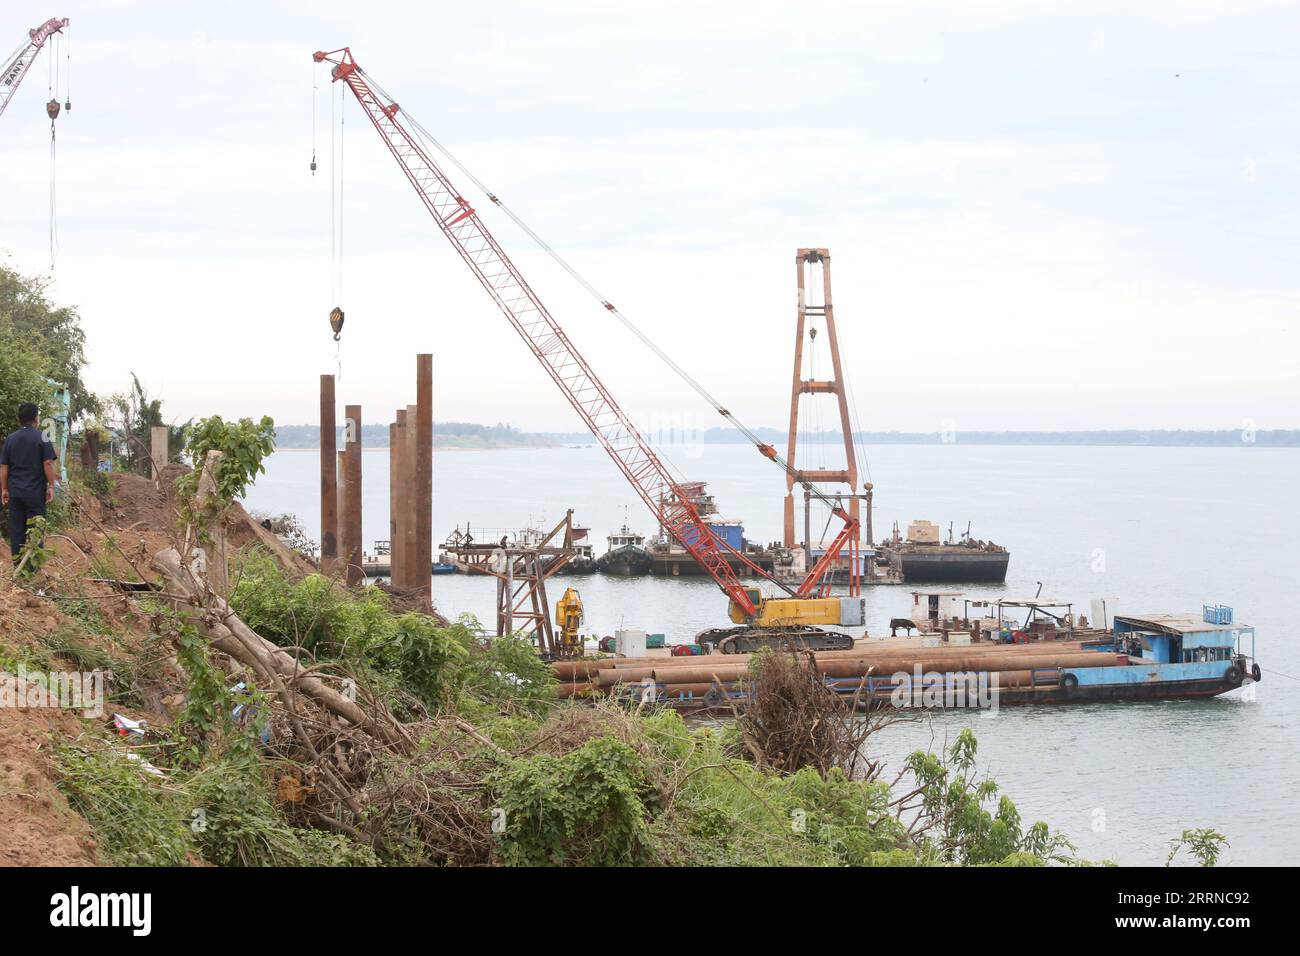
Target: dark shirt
{"points": [[25, 452]]}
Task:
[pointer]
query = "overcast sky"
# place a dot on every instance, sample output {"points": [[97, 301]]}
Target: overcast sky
{"points": [[1049, 216]]}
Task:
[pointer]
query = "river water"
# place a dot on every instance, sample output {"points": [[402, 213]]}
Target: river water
{"points": [[1149, 529]]}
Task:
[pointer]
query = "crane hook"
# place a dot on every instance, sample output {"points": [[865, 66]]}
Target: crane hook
{"points": [[313, 162], [52, 110], [336, 322]]}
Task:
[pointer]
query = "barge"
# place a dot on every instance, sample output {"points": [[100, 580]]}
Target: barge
{"points": [[378, 563], [1141, 657], [923, 557]]}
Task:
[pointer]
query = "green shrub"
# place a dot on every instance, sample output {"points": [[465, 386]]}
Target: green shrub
{"points": [[401, 655], [963, 830], [420, 654], [500, 674], [586, 808], [244, 446]]}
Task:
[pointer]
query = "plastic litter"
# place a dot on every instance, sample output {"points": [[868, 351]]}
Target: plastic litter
{"points": [[127, 727]]}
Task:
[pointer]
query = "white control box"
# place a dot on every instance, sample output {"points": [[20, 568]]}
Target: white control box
{"points": [[629, 643]]}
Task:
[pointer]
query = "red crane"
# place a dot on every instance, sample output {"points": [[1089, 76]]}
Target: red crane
{"points": [[16, 66], [761, 617]]}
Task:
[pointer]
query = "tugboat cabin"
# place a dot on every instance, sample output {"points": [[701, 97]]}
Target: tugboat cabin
{"points": [[625, 538], [1180, 648], [1174, 639]]}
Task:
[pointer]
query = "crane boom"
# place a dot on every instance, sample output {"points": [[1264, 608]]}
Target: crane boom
{"points": [[611, 426], [18, 65], [530, 318]]}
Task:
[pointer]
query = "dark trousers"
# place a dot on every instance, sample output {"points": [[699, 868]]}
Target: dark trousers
{"points": [[22, 508]]}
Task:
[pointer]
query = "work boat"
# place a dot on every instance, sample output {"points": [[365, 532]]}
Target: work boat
{"points": [[627, 554], [1170, 657], [584, 555], [1048, 658]]}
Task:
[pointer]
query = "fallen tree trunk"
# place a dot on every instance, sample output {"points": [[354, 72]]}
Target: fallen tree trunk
{"points": [[230, 635]]}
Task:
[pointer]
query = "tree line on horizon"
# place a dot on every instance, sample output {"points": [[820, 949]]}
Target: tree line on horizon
{"points": [[507, 436]]}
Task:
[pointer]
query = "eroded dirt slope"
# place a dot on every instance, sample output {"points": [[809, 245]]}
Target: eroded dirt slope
{"points": [[67, 615]]}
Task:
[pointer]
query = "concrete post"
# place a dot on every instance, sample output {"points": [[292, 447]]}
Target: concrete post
{"points": [[807, 531], [158, 451], [871, 533], [217, 569]]}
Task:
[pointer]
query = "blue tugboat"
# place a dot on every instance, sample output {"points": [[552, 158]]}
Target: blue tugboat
{"points": [[1170, 657], [1140, 657]]}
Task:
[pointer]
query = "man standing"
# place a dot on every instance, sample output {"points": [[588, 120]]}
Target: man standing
{"points": [[27, 476]]}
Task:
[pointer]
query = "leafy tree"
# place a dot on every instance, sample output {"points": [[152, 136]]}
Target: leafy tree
{"points": [[134, 415], [23, 371], [950, 801], [243, 444], [30, 322]]}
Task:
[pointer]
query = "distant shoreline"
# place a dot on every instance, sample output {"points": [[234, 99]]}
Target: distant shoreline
{"points": [[461, 436], [982, 444]]}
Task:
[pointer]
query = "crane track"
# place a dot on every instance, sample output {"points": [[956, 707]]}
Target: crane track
{"points": [[747, 639]]}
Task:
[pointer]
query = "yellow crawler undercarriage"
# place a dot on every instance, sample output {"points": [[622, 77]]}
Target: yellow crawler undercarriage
{"points": [[785, 622]]}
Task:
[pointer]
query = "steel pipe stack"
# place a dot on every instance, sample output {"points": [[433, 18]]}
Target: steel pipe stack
{"points": [[676, 677]]}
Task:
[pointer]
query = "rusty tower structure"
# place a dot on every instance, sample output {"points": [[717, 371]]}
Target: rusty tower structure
{"points": [[521, 561], [815, 309]]}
